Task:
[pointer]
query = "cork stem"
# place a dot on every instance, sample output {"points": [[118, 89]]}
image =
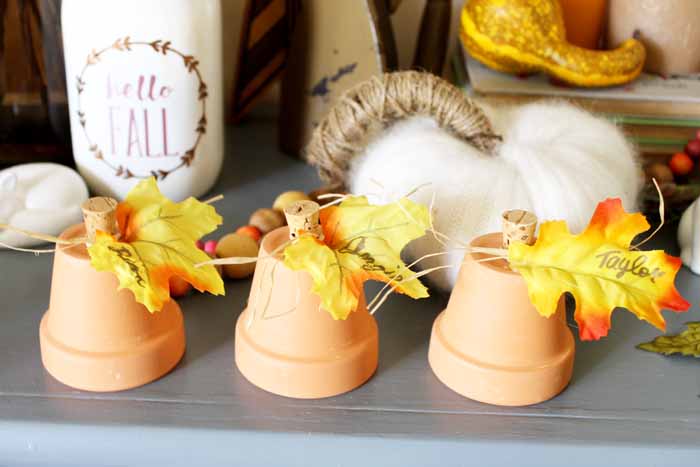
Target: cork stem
{"points": [[518, 226], [99, 213], [303, 218]]}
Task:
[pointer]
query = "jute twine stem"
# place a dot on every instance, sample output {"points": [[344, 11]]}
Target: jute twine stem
{"points": [[44, 237], [377, 103]]}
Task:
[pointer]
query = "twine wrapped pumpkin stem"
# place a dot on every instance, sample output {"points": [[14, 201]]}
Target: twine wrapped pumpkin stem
{"points": [[377, 103]]}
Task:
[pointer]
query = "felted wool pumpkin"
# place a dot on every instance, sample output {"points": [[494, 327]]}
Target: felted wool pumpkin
{"points": [[550, 158]]}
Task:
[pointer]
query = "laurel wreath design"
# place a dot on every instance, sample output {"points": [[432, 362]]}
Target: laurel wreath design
{"points": [[125, 44]]}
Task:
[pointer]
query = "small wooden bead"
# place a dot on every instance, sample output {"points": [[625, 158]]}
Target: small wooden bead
{"points": [[267, 220], [251, 231], [210, 247], [241, 246], [179, 287], [661, 172], [288, 198]]}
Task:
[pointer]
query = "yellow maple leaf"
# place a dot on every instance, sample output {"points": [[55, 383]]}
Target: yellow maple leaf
{"points": [[600, 270], [362, 242], [157, 241]]}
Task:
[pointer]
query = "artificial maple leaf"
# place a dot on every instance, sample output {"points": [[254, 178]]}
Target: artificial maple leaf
{"points": [[362, 242], [600, 270], [157, 241], [686, 343]]}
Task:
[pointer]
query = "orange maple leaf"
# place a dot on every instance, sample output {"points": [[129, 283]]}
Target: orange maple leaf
{"points": [[157, 241], [600, 269]]}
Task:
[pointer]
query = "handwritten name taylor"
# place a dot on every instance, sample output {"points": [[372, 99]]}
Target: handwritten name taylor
{"points": [[615, 261]]}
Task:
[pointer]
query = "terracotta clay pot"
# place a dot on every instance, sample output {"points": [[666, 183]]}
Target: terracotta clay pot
{"points": [[668, 28], [584, 21], [288, 345], [491, 345], [97, 338]]}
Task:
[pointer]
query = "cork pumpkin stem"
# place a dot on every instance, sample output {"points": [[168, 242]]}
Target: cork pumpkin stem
{"points": [[99, 213], [518, 226], [303, 218]]}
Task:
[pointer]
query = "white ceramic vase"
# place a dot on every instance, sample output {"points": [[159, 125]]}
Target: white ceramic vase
{"points": [[667, 28], [689, 237], [145, 93]]}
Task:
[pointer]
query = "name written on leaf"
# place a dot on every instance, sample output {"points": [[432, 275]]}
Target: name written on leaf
{"points": [[124, 254], [356, 247], [615, 261]]}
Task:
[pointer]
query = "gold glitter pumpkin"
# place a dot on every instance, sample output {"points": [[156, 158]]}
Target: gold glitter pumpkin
{"points": [[526, 36]]}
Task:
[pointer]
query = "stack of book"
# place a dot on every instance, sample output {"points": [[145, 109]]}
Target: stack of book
{"points": [[659, 114]]}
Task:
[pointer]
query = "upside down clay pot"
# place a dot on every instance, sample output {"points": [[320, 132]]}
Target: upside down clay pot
{"points": [[288, 345], [97, 338], [491, 345]]}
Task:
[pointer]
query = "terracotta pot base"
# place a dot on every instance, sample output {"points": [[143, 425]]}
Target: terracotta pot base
{"points": [[491, 345], [97, 338], [305, 379], [496, 385], [105, 372], [291, 346]]}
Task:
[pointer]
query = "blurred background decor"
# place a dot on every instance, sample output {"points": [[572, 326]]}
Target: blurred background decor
{"points": [[668, 28], [266, 35], [39, 197], [528, 36], [335, 46], [689, 237], [256, 39], [328, 47], [33, 104], [585, 22], [659, 111]]}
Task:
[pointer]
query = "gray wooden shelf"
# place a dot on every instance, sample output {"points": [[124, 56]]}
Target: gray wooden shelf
{"points": [[623, 406]]}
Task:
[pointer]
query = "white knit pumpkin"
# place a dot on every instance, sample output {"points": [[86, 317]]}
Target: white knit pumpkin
{"points": [[555, 160]]}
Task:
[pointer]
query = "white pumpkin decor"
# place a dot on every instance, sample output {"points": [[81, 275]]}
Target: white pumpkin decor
{"points": [[40, 197], [554, 159], [689, 237]]}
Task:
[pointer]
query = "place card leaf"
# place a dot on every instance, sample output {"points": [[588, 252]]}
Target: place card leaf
{"points": [[361, 242], [600, 269], [157, 240]]}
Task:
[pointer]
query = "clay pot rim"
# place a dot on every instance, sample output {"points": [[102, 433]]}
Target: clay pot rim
{"points": [[75, 251], [273, 240], [491, 240]]}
